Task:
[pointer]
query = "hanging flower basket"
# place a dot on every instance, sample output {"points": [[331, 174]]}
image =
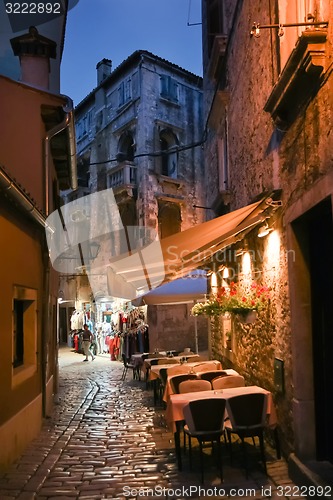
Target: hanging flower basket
{"points": [[247, 317], [240, 299]]}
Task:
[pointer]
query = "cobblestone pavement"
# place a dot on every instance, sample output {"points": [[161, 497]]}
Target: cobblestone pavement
{"points": [[107, 440]]}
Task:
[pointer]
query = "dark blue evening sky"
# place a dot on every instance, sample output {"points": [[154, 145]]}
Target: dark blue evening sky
{"points": [[114, 29]]}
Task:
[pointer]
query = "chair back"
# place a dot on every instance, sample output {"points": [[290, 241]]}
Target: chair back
{"points": [[178, 369], [166, 361], [247, 411], [206, 366], [205, 415], [192, 359], [177, 379], [193, 385], [228, 381], [154, 361], [213, 374]]}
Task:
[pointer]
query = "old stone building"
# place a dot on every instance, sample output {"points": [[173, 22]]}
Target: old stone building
{"points": [[268, 107], [140, 133]]}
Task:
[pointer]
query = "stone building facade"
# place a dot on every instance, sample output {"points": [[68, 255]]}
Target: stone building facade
{"points": [[139, 132], [268, 106]]}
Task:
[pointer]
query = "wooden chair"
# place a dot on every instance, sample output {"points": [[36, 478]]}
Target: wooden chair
{"points": [[194, 385], [175, 380], [247, 418], [204, 419], [206, 366], [166, 361], [213, 374], [127, 365], [193, 359], [228, 381], [178, 370]]}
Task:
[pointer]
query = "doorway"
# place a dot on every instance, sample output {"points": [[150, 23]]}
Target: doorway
{"points": [[314, 235]]}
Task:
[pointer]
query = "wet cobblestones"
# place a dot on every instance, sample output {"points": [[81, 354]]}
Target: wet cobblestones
{"points": [[105, 439]]}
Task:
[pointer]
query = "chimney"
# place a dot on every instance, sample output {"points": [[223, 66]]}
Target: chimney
{"points": [[34, 51], [103, 70]]}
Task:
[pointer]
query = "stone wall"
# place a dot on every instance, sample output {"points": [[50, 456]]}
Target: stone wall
{"points": [[263, 157], [173, 328]]}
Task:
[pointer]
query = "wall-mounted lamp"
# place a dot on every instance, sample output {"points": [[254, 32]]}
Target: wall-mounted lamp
{"points": [[256, 27], [281, 30], [255, 30], [264, 230]]}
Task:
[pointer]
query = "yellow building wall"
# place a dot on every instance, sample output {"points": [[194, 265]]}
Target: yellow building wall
{"points": [[17, 432]]}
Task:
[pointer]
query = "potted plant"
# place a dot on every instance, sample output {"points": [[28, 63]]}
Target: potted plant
{"points": [[243, 299]]}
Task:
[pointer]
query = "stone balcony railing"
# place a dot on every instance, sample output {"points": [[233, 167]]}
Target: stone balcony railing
{"points": [[122, 176]]}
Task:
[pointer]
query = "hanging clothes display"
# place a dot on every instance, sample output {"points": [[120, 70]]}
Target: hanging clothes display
{"points": [[135, 340], [114, 347], [77, 320]]}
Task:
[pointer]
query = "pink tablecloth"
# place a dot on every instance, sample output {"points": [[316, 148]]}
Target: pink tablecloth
{"points": [[176, 402], [168, 389], [155, 369], [147, 362]]}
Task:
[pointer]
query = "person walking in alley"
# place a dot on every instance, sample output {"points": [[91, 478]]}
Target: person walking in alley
{"points": [[87, 339]]}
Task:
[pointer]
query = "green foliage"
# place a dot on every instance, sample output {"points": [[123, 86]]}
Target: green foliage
{"points": [[238, 298]]}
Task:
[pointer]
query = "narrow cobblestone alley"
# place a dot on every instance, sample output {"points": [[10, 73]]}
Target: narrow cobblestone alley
{"points": [[107, 440]]}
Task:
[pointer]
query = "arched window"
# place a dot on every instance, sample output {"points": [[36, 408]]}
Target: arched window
{"points": [[126, 147], [169, 161]]}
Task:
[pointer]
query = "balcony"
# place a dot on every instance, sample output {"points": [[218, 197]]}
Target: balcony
{"points": [[122, 179], [217, 55], [300, 78]]}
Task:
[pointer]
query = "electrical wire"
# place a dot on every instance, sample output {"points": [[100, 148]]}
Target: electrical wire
{"points": [[174, 149]]}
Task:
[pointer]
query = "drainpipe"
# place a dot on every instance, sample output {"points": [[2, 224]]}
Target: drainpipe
{"points": [[67, 123]]}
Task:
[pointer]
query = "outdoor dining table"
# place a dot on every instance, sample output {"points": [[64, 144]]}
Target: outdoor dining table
{"points": [[147, 364], [168, 388], [177, 359], [174, 411], [154, 374], [155, 369], [137, 359]]}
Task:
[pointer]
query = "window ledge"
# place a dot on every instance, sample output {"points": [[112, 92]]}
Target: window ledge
{"points": [[299, 79], [22, 373], [170, 101]]}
